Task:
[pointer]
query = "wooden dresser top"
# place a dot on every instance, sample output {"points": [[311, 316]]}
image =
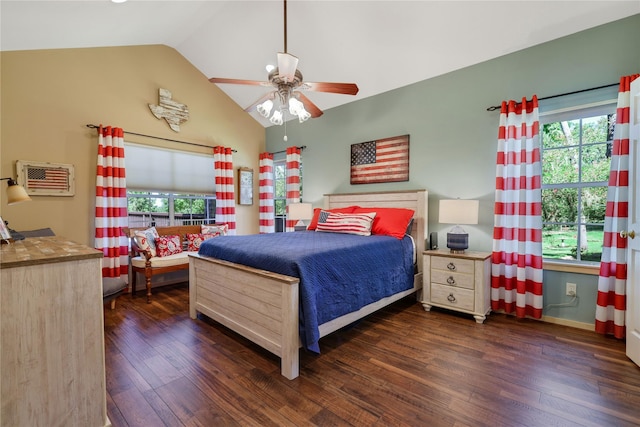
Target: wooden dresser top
{"points": [[44, 250]]}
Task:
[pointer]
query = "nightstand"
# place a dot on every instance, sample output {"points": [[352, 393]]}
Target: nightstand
{"points": [[457, 282]]}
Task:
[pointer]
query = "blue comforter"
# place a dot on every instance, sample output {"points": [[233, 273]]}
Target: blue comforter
{"points": [[339, 273]]}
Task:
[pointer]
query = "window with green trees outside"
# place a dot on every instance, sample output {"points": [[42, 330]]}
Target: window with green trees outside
{"points": [[576, 157], [149, 208]]}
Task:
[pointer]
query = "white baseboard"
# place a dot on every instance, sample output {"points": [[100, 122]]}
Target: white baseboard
{"points": [[567, 322]]}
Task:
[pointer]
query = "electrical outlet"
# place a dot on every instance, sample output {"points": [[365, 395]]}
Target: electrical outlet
{"points": [[571, 289]]}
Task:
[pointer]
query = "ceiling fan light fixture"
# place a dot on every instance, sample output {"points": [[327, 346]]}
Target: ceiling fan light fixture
{"points": [[287, 65], [265, 108], [303, 115], [276, 119], [286, 79], [295, 106]]}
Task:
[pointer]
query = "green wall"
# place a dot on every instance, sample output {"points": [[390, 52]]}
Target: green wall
{"points": [[453, 138]]}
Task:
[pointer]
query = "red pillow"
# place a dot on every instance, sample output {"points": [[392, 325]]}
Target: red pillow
{"points": [[389, 221], [316, 213], [168, 245]]}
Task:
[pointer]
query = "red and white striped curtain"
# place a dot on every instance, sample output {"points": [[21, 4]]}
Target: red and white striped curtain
{"points": [[225, 192], [111, 204], [293, 181], [516, 270], [612, 282], [266, 194]]}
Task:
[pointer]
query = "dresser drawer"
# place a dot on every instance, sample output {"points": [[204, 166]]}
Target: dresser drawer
{"points": [[449, 296], [452, 264], [453, 279]]}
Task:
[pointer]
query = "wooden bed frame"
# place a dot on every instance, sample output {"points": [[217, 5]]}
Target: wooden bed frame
{"points": [[263, 306]]}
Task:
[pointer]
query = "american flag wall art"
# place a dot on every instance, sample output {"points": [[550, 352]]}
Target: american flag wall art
{"points": [[46, 179], [382, 160]]}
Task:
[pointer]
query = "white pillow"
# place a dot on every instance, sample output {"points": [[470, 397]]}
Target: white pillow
{"points": [[146, 239], [215, 229]]}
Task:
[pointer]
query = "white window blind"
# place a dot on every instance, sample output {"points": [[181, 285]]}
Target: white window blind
{"points": [[154, 168], [563, 107]]}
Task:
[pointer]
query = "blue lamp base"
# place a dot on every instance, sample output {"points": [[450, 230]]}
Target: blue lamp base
{"points": [[457, 242]]}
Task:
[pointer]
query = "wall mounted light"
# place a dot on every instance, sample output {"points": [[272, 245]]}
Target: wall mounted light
{"points": [[15, 193]]}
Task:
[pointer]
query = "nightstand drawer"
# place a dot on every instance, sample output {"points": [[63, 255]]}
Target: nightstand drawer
{"points": [[449, 296], [453, 279], [452, 264]]}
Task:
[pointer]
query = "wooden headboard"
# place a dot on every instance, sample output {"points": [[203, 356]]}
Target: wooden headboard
{"points": [[411, 199]]}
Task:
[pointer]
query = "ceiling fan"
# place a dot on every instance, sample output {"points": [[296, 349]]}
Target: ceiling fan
{"points": [[288, 83]]}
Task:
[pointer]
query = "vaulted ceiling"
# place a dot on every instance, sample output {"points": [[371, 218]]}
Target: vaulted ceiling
{"points": [[380, 45]]}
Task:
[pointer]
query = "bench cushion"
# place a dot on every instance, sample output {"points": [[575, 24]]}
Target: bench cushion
{"points": [[167, 261]]}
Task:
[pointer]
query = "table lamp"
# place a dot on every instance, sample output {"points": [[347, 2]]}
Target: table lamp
{"points": [[300, 212], [458, 212]]}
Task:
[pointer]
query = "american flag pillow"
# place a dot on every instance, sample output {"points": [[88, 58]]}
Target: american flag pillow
{"points": [[335, 222]]}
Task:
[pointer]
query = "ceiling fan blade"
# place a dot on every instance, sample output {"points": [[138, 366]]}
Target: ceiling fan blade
{"points": [[343, 88], [287, 65], [270, 95], [308, 105], [239, 81]]}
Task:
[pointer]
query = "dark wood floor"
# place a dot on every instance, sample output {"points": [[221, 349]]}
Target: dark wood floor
{"points": [[399, 367]]}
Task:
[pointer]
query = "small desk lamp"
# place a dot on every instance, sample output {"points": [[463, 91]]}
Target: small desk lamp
{"points": [[458, 212], [300, 212], [15, 193]]}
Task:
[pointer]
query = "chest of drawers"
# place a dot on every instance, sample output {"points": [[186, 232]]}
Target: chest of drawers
{"points": [[457, 282]]}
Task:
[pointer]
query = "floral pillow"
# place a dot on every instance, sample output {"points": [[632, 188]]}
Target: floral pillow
{"points": [[168, 245], [146, 239], [215, 229], [195, 240]]}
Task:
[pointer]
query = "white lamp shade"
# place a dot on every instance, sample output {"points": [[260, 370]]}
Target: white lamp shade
{"points": [[265, 108], [458, 211], [276, 119], [287, 65], [300, 211], [295, 106], [303, 115], [16, 194]]}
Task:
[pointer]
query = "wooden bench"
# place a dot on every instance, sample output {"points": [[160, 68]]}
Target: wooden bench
{"points": [[143, 262]]}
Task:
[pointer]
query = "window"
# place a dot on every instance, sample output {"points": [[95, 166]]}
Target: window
{"points": [[148, 208], [169, 187], [280, 192], [576, 157]]}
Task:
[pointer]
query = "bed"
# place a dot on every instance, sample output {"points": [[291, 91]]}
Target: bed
{"points": [[264, 306]]}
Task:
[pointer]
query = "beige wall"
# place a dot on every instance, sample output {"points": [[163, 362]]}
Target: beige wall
{"points": [[48, 97]]}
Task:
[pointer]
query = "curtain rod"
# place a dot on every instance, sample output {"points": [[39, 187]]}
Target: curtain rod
{"points": [[562, 94], [158, 137], [302, 147]]}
